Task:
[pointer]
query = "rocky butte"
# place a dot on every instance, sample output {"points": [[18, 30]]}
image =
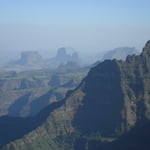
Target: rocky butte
{"points": [[109, 110], [29, 58], [63, 57]]}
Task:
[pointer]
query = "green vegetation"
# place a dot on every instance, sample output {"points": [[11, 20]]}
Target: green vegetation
{"points": [[15, 86]]}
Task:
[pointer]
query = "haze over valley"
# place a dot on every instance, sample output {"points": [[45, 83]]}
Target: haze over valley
{"points": [[74, 75]]}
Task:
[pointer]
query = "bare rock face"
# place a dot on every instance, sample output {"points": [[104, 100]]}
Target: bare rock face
{"points": [[111, 101]]}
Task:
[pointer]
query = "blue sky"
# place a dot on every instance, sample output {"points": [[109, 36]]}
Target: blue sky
{"points": [[86, 25], [77, 12]]}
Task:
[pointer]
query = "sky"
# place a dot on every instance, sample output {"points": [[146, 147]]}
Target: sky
{"points": [[85, 25]]}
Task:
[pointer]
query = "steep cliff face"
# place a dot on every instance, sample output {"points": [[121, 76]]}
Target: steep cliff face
{"points": [[112, 100], [135, 83]]}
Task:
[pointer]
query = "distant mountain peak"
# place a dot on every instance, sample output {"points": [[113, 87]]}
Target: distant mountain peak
{"points": [[120, 53]]}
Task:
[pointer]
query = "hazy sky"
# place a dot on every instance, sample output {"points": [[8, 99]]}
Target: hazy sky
{"points": [[85, 25]]}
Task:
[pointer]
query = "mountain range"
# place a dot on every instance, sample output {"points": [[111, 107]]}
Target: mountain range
{"points": [[32, 60], [109, 110]]}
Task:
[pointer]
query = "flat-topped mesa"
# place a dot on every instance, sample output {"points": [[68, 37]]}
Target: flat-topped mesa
{"points": [[30, 57]]}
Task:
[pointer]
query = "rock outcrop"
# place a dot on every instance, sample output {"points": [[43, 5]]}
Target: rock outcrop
{"points": [[63, 57]]}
